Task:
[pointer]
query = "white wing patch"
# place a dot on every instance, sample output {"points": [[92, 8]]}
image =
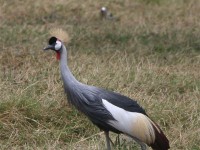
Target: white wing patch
{"points": [[124, 119], [133, 124]]}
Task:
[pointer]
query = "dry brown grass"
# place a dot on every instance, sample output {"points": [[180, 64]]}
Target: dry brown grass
{"points": [[150, 53]]}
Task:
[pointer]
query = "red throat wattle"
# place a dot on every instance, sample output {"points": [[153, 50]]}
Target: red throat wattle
{"points": [[58, 55]]}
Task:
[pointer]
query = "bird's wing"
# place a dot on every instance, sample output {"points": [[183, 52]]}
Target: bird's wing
{"points": [[87, 102], [114, 112], [121, 101], [103, 107]]}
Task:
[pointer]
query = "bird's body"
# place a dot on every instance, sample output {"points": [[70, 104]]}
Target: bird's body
{"points": [[110, 111], [105, 14]]}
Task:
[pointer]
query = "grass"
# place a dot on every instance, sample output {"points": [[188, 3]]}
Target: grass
{"points": [[151, 53]]}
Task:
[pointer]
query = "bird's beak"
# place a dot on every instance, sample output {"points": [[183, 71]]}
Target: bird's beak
{"points": [[49, 47]]}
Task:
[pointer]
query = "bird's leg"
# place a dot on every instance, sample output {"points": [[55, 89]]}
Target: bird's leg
{"points": [[107, 140], [143, 146], [111, 141]]}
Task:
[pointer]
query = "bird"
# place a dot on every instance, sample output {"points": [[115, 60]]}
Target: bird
{"points": [[105, 14], [108, 110]]}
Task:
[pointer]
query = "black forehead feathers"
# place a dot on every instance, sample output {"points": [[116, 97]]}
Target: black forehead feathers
{"points": [[52, 40]]}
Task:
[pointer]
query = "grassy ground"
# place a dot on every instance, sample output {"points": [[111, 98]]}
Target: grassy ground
{"points": [[151, 53]]}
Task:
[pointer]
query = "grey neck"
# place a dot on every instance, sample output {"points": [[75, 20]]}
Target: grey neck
{"points": [[68, 78]]}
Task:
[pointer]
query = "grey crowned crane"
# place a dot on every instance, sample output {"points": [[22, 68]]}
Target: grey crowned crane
{"points": [[110, 111], [105, 14]]}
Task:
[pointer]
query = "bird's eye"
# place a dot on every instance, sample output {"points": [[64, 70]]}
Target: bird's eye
{"points": [[58, 45]]}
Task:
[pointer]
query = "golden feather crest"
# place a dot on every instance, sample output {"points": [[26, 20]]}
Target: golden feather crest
{"points": [[60, 34]]}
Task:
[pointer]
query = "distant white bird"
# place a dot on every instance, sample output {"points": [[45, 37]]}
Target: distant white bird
{"points": [[105, 14], [108, 110]]}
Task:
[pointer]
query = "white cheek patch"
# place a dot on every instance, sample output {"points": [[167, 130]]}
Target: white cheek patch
{"points": [[58, 45]]}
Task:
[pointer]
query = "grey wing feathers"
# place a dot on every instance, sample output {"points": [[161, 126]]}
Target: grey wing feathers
{"points": [[122, 101], [88, 100], [91, 105]]}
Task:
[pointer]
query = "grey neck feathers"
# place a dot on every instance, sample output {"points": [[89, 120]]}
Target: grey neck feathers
{"points": [[68, 78]]}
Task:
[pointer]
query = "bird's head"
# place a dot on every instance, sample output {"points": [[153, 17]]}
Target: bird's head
{"points": [[103, 9], [55, 43]]}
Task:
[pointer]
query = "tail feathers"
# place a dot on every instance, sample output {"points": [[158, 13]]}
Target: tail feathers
{"points": [[161, 142], [148, 132]]}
